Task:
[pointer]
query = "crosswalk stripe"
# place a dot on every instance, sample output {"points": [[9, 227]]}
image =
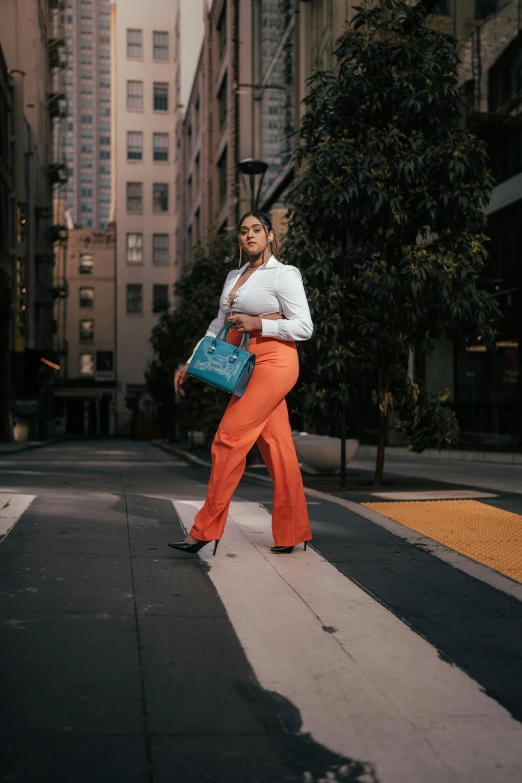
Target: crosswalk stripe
{"points": [[12, 506], [366, 685]]}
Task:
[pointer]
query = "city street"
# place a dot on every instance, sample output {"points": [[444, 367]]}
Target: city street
{"points": [[374, 656]]}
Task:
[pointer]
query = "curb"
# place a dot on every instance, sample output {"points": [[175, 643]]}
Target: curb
{"points": [[30, 446], [465, 564], [498, 457]]}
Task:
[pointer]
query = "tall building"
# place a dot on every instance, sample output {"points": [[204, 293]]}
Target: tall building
{"points": [[33, 110], [145, 48], [88, 89], [488, 380], [6, 189]]}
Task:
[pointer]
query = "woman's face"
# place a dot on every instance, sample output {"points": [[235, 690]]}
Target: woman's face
{"points": [[252, 236]]}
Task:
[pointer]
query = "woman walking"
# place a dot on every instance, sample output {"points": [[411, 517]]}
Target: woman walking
{"points": [[266, 299]]}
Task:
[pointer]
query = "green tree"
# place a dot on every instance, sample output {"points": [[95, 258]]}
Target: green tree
{"points": [[387, 219], [196, 301]]}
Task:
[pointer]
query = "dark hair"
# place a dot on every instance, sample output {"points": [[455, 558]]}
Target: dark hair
{"points": [[267, 225]]}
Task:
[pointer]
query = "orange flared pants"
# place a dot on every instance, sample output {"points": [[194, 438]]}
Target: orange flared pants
{"points": [[259, 416]]}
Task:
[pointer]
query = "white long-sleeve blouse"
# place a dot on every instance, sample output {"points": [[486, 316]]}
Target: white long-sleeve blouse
{"points": [[272, 288]]}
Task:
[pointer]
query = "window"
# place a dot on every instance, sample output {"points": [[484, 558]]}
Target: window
{"points": [[135, 248], [86, 264], [86, 364], [134, 196], [484, 8], [160, 248], [160, 197], [86, 297], [222, 32], [505, 76], [190, 243], [86, 119], [105, 139], [86, 149], [223, 176], [160, 45], [223, 104], [134, 298], [135, 43], [135, 95], [87, 330], [160, 298], [134, 145], [86, 192], [161, 96], [196, 116], [161, 146], [105, 363]]}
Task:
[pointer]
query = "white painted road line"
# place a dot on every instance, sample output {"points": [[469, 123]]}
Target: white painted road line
{"points": [[12, 507], [366, 685]]}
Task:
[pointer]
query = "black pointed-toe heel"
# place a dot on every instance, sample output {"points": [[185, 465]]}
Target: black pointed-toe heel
{"points": [[285, 550], [184, 546]]}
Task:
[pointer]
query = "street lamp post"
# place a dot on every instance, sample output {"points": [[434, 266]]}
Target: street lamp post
{"points": [[253, 168]]}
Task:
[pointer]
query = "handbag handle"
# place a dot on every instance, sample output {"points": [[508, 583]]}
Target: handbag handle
{"points": [[222, 336]]}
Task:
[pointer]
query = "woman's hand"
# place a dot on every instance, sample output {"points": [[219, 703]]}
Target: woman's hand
{"points": [[246, 323], [179, 379]]}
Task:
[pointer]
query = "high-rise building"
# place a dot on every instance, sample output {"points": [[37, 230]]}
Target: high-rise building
{"points": [[88, 89], [145, 48], [32, 110]]}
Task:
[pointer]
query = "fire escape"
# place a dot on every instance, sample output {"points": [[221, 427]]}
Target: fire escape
{"points": [[58, 173]]}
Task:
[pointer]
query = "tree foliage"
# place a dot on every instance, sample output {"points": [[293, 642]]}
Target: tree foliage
{"points": [[196, 301], [387, 218]]}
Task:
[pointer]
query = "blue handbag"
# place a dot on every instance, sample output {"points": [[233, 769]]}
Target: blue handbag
{"points": [[227, 367]]}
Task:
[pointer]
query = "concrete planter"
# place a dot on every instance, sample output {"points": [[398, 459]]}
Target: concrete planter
{"points": [[321, 453]]}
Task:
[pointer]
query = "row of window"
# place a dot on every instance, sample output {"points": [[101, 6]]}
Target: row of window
{"points": [[160, 146], [134, 249], [160, 44], [134, 304], [134, 255], [103, 362], [160, 96], [160, 197], [134, 298]]}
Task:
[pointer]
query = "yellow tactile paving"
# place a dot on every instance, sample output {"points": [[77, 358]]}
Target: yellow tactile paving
{"points": [[489, 535]]}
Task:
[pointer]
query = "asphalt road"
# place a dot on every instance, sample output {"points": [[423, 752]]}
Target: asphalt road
{"points": [[364, 659]]}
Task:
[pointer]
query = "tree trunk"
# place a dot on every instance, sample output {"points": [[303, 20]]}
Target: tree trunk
{"points": [[383, 426], [379, 465]]}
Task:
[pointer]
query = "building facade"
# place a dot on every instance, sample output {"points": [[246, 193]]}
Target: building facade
{"points": [[246, 102], [85, 398], [6, 272], [33, 53], [145, 78], [487, 381], [88, 131]]}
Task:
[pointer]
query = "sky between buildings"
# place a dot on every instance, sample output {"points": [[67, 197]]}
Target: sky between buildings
{"points": [[192, 29]]}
